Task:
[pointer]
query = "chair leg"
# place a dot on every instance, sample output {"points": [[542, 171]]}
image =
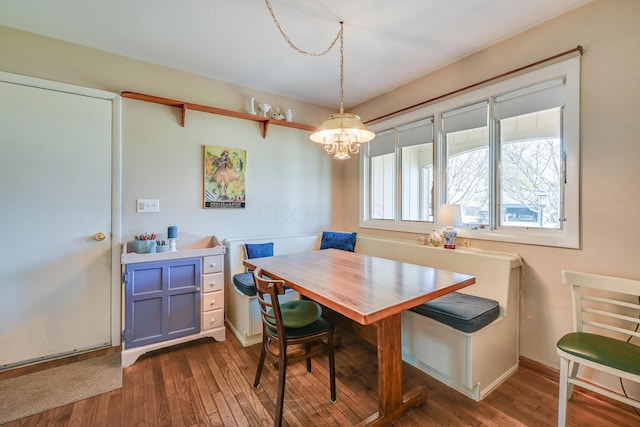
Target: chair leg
{"points": [[263, 353], [573, 372], [282, 376], [332, 368], [307, 348], [562, 393]]}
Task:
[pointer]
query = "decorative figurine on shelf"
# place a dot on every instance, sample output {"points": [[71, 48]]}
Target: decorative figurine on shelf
{"points": [[252, 108], [277, 115], [264, 107], [422, 239], [434, 239], [288, 115]]}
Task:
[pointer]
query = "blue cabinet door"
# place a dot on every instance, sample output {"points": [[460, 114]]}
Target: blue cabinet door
{"points": [[162, 301]]}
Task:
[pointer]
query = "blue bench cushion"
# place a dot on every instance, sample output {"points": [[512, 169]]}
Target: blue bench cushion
{"points": [[466, 313], [245, 284], [335, 240], [258, 250]]}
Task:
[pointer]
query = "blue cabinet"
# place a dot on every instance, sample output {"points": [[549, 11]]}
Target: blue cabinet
{"points": [[162, 301]]}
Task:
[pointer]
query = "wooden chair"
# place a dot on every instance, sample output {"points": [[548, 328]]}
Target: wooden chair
{"points": [[606, 318], [291, 331]]}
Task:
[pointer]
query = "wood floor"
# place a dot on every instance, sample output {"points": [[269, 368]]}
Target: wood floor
{"points": [[208, 383]]}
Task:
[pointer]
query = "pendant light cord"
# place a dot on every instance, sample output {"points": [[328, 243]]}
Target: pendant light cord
{"points": [[339, 36]]}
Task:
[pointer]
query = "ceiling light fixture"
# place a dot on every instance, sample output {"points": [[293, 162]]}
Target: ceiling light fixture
{"points": [[342, 133]]}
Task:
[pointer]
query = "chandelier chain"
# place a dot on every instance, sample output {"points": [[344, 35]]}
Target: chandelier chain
{"points": [[288, 40], [339, 36]]}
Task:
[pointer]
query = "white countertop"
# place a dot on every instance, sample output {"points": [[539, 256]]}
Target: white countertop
{"points": [[188, 246]]}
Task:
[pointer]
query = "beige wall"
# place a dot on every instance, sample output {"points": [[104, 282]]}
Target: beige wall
{"points": [[609, 31], [286, 172], [289, 179]]}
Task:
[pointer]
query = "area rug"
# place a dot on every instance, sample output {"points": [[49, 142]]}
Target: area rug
{"points": [[40, 391]]}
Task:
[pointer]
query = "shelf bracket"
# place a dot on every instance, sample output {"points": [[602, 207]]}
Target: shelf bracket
{"points": [[184, 114]]}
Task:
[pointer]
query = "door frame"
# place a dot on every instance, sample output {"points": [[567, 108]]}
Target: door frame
{"points": [[116, 180]]}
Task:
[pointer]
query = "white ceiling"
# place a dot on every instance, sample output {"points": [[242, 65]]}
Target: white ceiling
{"points": [[387, 43]]}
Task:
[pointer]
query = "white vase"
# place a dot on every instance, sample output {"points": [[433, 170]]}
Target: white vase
{"points": [[288, 115], [252, 108], [434, 239]]}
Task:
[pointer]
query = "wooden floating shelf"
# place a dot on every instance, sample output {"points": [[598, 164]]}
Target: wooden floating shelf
{"points": [[264, 121]]}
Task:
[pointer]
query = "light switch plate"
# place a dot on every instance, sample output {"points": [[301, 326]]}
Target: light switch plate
{"points": [[148, 205]]}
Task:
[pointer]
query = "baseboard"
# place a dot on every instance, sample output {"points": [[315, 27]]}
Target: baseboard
{"points": [[53, 363], [540, 369]]}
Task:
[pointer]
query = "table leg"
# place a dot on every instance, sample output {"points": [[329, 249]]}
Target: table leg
{"points": [[391, 402]]}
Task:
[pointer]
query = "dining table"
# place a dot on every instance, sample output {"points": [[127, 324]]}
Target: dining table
{"points": [[373, 291]]}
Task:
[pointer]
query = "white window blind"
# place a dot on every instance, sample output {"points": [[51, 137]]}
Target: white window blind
{"points": [[416, 133], [469, 117], [385, 143], [535, 98]]}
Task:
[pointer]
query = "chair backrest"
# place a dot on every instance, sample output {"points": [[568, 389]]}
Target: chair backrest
{"points": [[605, 303], [267, 291]]}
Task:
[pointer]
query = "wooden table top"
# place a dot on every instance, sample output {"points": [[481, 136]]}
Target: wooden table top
{"points": [[364, 288]]}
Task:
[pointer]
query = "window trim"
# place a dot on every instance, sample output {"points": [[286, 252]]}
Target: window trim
{"points": [[569, 235]]}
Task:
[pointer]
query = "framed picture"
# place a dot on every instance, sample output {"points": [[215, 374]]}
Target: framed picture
{"points": [[224, 177]]}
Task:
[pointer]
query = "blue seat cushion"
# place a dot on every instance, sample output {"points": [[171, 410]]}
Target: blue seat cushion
{"points": [[258, 250], [298, 313], [466, 313], [245, 284], [336, 240]]}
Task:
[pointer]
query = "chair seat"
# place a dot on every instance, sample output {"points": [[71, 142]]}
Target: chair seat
{"points": [[466, 313], [604, 350], [298, 313], [319, 326]]}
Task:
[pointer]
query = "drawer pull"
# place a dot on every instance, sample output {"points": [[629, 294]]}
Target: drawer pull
{"points": [[197, 289], [213, 302], [213, 283], [213, 264], [213, 321]]}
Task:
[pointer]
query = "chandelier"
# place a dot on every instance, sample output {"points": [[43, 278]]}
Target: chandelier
{"points": [[342, 133]]}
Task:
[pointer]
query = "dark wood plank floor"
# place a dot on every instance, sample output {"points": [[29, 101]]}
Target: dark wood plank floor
{"points": [[208, 383]]}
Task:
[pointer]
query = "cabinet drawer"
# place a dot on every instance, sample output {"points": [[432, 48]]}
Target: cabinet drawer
{"points": [[212, 301], [212, 282], [213, 264], [212, 319]]}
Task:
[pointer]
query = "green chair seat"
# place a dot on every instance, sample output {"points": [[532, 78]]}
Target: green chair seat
{"points": [[604, 350], [298, 313]]}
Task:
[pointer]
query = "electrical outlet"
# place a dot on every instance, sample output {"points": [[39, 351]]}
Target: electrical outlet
{"points": [[148, 205]]}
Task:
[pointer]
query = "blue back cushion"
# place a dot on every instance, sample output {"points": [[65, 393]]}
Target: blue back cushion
{"points": [[335, 240], [258, 250]]}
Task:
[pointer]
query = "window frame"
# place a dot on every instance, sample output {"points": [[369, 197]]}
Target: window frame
{"points": [[568, 236]]}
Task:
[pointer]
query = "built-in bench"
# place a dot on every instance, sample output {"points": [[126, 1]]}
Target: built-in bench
{"points": [[475, 352], [241, 304], [473, 363]]}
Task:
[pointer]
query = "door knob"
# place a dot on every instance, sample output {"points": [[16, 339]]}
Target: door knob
{"points": [[99, 236]]}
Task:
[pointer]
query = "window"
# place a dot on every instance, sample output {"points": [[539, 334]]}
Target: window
{"points": [[416, 153], [466, 141], [383, 173], [507, 153]]}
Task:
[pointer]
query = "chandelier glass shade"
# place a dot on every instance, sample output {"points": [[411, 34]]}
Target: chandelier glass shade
{"points": [[342, 133]]}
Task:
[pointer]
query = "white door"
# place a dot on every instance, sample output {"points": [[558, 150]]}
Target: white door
{"points": [[55, 196]]}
